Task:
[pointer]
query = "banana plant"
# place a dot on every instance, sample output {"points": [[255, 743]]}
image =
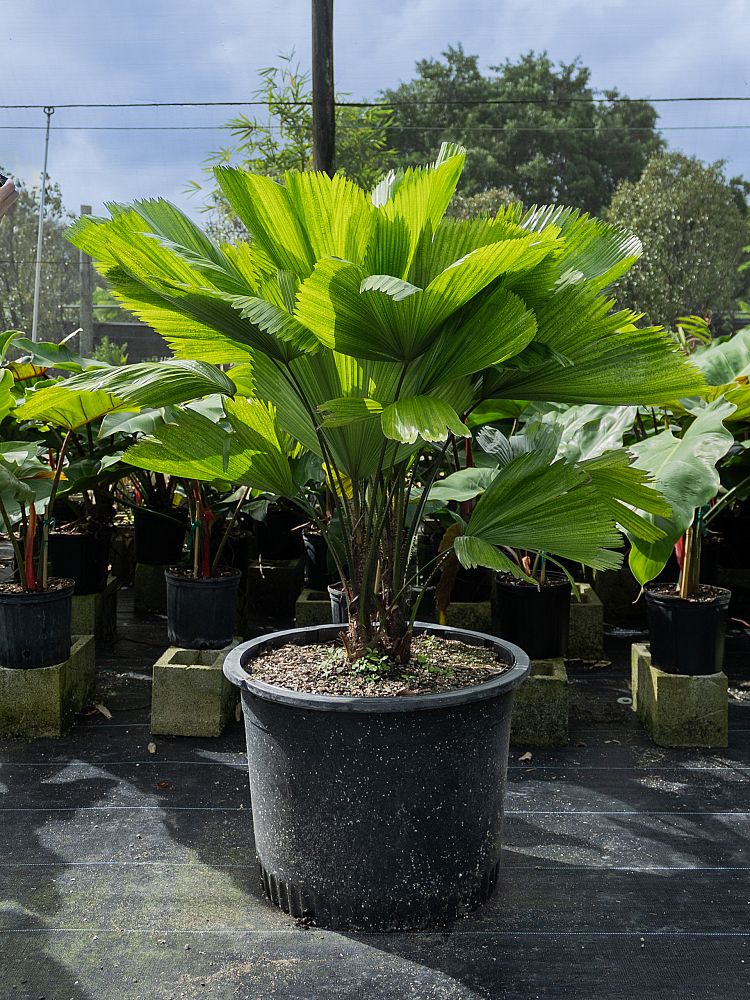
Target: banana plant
{"points": [[365, 328], [683, 466], [72, 405]]}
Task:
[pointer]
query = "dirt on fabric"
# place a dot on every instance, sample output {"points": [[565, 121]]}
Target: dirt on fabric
{"points": [[436, 665]]}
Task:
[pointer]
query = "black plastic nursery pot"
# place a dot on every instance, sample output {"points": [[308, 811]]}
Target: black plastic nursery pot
{"points": [[472, 585], [83, 558], [686, 636], [35, 626], [201, 613], [339, 604], [537, 619], [317, 574], [377, 813], [279, 536], [159, 535]]}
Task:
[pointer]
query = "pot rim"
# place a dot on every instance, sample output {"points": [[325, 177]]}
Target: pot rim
{"points": [[229, 575], [555, 578], [506, 682], [722, 596]]}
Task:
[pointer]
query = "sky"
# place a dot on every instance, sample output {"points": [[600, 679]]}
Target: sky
{"points": [[71, 51]]}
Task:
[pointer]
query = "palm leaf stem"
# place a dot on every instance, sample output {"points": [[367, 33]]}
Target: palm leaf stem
{"points": [[373, 535], [43, 562], [228, 529], [422, 502], [339, 496]]}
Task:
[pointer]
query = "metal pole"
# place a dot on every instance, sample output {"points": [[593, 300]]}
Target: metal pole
{"points": [[49, 111], [323, 102]]}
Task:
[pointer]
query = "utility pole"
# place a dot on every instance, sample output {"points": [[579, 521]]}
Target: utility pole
{"points": [[40, 233], [86, 316], [323, 102]]}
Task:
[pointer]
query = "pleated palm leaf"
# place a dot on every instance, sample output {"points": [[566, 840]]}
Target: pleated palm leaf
{"points": [[364, 328]]}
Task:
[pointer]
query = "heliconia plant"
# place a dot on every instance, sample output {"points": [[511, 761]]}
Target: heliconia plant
{"points": [[363, 329]]}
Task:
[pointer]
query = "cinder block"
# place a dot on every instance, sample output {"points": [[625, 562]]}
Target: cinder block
{"points": [[150, 588], [586, 633], [45, 701], [190, 696], [473, 615], [540, 706], [313, 607], [96, 614], [273, 587], [679, 710]]}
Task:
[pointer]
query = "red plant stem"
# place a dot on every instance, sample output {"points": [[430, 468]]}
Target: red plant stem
{"points": [[28, 556]]}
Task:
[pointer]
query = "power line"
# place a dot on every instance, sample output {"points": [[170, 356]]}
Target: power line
{"points": [[403, 128], [382, 104]]}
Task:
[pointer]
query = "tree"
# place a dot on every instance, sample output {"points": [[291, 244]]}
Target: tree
{"points": [[487, 202], [694, 226], [281, 139], [568, 148], [60, 286]]}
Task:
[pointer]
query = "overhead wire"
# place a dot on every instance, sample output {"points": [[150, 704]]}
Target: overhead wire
{"points": [[463, 102]]}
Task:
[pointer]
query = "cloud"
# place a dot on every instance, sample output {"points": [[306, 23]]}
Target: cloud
{"points": [[86, 50]]}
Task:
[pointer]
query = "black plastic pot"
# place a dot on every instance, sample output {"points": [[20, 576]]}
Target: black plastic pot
{"points": [[339, 604], [238, 551], [687, 637], [82, 558], [35, 627], [472, 585], [159, 535], [317, 574], [201, 614], [279, 536], [537, 619], [377, 813]]}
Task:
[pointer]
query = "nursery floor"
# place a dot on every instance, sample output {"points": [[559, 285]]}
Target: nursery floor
{"points": [[129, 875]]}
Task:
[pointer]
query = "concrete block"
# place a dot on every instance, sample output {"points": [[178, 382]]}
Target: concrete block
{"points": [[46, 701], [96, 614], [586, 633], [679, 710], [540, 707], [473, 615], [313, 607], [150, 588], [190, 696], [273, 587]]}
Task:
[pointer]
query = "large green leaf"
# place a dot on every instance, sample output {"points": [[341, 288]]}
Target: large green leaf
{"points": [[7, 396], [186, 298], [421, 417], [90, 395], [723, 361], [548, 508], [70, 409], [465, 484], [587, 430], [196, 447], [595, 251], [684, 471], [609, 359], [382, 317], [412, 202]]}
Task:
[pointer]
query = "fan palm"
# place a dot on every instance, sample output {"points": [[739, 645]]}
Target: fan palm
{"points": [[364, 329]]}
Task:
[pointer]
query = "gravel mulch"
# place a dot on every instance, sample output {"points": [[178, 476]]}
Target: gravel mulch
{"points": [[436, 664]]}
